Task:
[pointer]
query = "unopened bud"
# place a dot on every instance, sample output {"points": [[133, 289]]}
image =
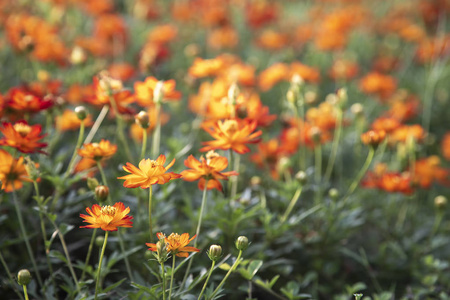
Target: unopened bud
{"points": [[78, 56], [440, 202], [158, 92], [92, 183], [215, 252], [99, 240], [310, 97], [373, 137], [315, 134], [357, 109], [255, 181], [101, 192], [81, 112], [142, 119], [242, 243], [342, 95], [297, 80], [290, 96], [233, 93], [32, 170], [333, 193], [24, 277], [301, 177]]}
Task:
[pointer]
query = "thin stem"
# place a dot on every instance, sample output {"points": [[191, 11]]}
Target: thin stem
{"points": [[100, 264], [75, 152], [119, 121], [105, 182], [157, 132], [207, 279], [292, 204], [150, 196], [171, 276], [163, 275], [231, 270], [88, 256], [11, 280], [361, 173], [318, 170], [334, 147], [25, 237], [122, 248], [25, 291], [144, 142], [234, 179]]}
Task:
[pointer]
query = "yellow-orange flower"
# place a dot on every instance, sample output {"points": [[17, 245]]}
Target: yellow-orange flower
{"points": [[22, 136], [207, 170], [232, 134], [69, 121], [149, 172], [373, 137], [145, 91], [12, 172], [107, 217], [175, 244], [98, 151]]}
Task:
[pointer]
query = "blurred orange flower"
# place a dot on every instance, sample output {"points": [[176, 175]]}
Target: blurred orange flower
{"points": [[405, 132], [373, 137], [12, 172], [445, 146], [343, 69], [223, 38], [273, 75], [24, 101], [386, 124], [268, 155], [175, 244], [428, 170], [207, 170], [206, 67], [69, 121], [232, 134], [98, 151], [307, 73], [145, 91], [149, 172], [378, 84], [22, 136], [108, 218], [272, 40]]}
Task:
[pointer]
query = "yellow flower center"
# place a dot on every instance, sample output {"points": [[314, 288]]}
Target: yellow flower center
{"points": [[154, 164], [28, 98], [230, 127], [22, 129], [109, 210]]}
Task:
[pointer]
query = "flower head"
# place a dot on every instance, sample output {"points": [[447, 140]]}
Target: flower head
{"points": [[146, 92], [149, 172], [22, 136], [12, 172], [107, 217], [98, 151], [232, 134], [207, 170], [175, 244]]}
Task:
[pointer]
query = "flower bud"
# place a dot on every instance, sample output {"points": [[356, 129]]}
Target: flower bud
{"points": [[233, 93], [357, 109], [24, 277], [142, 119], [310, 97], [440, 202], [92, 183], [31, 168], [99, 240], [215, 252], [255, 181], [242, 243], [342, 96], [158, 92], [43, 76], [373, 137], [301, 177], [81, 112], [290, 96], [333, 193], [77, 56], [315, 134], [101, 193]]}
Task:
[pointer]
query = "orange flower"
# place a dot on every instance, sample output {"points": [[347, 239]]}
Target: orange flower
{"points": [[145, 91], [343, 69], [121, 71], [98, 151], [69, 121], [12, 172], [223, 37], [428, 170], [149, 172], [23, 101], [272, 40], [307, 73], [386, 124], [272, 75], [391, 182], [232, 134], [206, 67], [381, 85], [175, 244], [108, 218], [268, 154], [22, 136], [207, 170], [445, 146], [373, 137], [404, 132], [162, 34]]}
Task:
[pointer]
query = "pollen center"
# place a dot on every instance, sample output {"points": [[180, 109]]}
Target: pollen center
{"points": [[231, 127], [22, 129], [109, 210]]}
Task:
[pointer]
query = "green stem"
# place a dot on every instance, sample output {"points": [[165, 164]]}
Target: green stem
{"points": [[75, 152], [207, 279], [120, 133], [171, 276], [150, 196], [144, 142], [234, 179], [334, 147], [105, 182], [292, 203], [361, 173], [88, 256], [233, 267], [11, 280], [25, 237], [100, 265], [25, 292], [157, 132], [122, 248], [318, 171], [163, 274]]}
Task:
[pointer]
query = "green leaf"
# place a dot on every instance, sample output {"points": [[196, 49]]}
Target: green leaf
{"points": [[113, 286], [57, 254], [225, 267]]}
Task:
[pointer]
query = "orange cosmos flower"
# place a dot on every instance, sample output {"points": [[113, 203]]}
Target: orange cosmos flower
{"points": [[428, 170], [272, 75], [69, 121], [149, 172], [175, 244], [146, 91], [404, 132], [22, 136], [386, 124], [206, 67], [373, 137], [343, 69], [272, 40], [376, 83], [12, 172], [108, 218], [232, 134], [207, 170], [307, 73], [445, 146], [98, 151], [24, 101]]}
